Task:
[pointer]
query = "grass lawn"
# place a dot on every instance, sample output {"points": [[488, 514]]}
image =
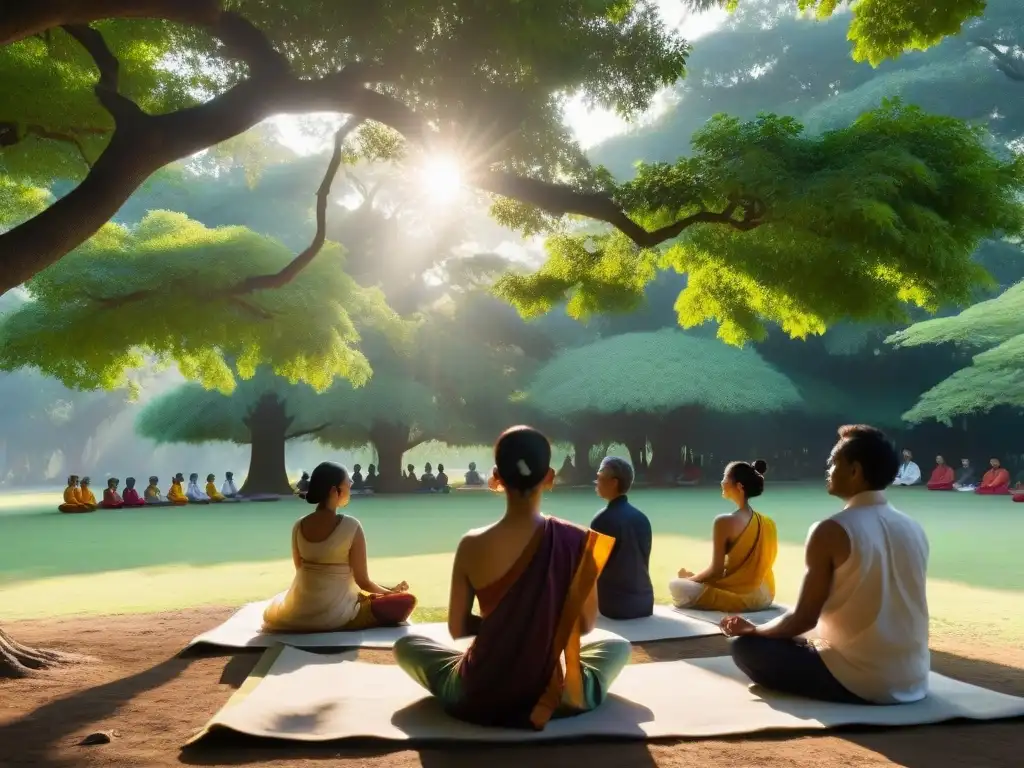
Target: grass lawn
{"points": [[163, 559]]}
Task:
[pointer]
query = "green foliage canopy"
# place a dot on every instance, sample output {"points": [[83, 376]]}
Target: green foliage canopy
{"points": [[995, 377], [854, 223], [159, 291], [658, 372]]}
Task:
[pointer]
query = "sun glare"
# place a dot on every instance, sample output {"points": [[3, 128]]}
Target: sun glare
{"points": [[441, 178]]}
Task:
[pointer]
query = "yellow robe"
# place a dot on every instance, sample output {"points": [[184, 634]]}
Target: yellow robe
{"points": [[72, 502], [213, 493], [86, 498], [175, 495], [152, 492], [748, 583]]}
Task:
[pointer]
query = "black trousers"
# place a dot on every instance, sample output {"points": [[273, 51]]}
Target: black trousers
{"points": [[788, 666]]}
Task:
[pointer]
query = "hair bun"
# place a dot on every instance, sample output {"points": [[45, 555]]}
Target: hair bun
{"points": [[760, 466]]}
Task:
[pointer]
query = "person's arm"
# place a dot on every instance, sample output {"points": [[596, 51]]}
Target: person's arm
{"points": [[296, 557], [588, 614], [719, 541], [827, 546], [462, 622], [357, 561]]}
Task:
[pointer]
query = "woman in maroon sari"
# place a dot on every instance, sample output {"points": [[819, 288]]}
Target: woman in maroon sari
{"points": [[535, 578]]}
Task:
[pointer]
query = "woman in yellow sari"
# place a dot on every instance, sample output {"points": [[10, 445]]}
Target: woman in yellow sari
{"points": [[740, 576]]}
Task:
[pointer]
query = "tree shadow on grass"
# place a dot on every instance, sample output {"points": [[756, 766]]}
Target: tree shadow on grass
{"points": [[37, 734]]}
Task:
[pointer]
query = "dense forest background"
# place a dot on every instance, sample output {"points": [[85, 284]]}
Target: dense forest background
{"points": [[458, 364]]}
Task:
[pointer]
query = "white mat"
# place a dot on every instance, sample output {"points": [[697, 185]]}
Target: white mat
{"points": [[667, 623], [242, 630], [308, 697], [715, 617]]}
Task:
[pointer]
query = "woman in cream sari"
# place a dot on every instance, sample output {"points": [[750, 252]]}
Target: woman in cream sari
{"points": [[332, 590], [745, 545]]}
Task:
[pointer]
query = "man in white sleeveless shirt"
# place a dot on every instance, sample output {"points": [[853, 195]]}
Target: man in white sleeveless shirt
{"points": [[863, 594]]}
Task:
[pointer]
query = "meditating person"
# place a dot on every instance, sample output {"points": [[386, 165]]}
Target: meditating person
{"points": [[131, 495], [228, 490], [357, 478], [372, 478], [111, 498], [965, 478], [942, 478], [85, 494], [441, 481], [909, 473], [211, 490], [72, 498], [745, 544], [624, 590], [152, 492], [427, 480], [302, 487], [995, 482], [473, 478], [193, 492], [411, 481], [863, 593], [332, 589], [536, 580], [176, 495]]}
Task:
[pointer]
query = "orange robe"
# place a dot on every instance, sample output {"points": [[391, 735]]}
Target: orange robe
{"points": [[85, 496], [72, 502], [941, 479], [175, 495], [996, 482]]}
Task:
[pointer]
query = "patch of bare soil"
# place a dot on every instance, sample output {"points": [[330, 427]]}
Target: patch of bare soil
{"points": [[146, 702]]}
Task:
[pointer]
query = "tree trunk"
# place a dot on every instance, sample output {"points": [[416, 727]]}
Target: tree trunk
{"points": [[268, 424], [391, 441], [665, 463], [18, 661], [581, 458]]}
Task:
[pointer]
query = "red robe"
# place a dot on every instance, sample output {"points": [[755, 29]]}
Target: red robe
{"points": [[996, 482], [941, 479], [111, 500], [132, 498]]}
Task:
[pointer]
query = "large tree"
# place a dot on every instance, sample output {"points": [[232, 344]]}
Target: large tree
{"points": [[995, 377], [482, 82], [263, 412], [161, 292], [655, 386]]}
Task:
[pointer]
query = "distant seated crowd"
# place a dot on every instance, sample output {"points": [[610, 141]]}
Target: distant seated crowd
{"points": [[79, 496], [540, 583], [995, 482], [428, 482]]}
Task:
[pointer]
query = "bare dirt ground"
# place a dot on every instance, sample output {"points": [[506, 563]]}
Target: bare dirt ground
{"points": [[154, 700]]}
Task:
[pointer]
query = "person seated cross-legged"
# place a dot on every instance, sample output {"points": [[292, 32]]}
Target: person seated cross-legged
{"points": [[995, 482], [535, 578], [908, 473], [863, 592], [745, 544], [942, 478], [332, 589], [624, 590]]}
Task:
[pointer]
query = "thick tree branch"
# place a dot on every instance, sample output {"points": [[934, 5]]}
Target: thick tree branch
{"points": [[24, 18], [143, 144], [121, 108], [307, 432], [1007, 62], [243, 41], [559, 200], [300, 262]]}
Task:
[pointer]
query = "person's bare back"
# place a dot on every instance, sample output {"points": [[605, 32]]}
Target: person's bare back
{"points": [[489, 553]]}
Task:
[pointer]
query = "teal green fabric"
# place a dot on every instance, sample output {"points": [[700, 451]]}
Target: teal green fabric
{"points": [[436, 667]]}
